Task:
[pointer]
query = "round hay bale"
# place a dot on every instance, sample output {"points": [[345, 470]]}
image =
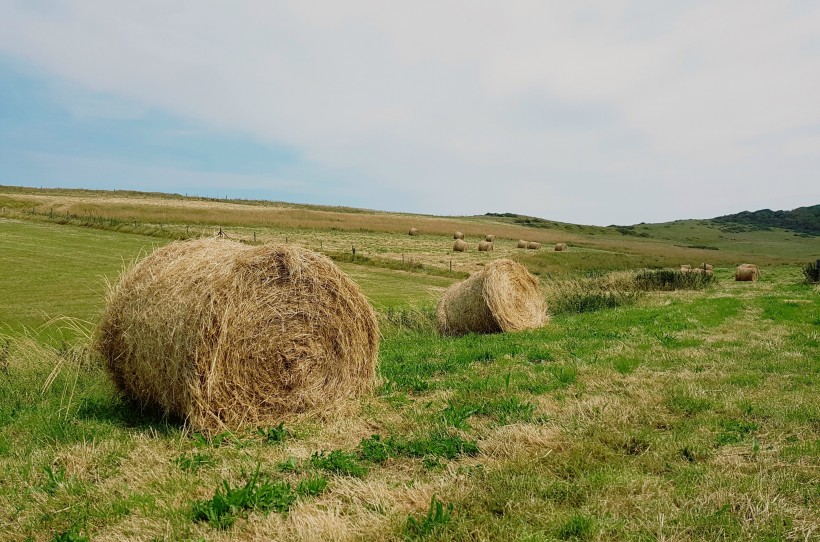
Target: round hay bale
{"points": [[560, 247], [458, 235], [413, 231], [706, 267], [490, 238], [485, 246], [503, 296], [685, 266], [522, 244], [460, 246], [747, 273], [532, 245], [227, 335]]}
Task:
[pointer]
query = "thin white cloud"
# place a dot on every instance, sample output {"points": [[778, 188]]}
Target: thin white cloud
{"points": [[587, 112]]}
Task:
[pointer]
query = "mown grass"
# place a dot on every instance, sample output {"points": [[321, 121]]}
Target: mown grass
{"points": [[678, 415]]}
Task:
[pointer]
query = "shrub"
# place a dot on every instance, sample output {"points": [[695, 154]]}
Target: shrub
{"points": [[811, 273]]}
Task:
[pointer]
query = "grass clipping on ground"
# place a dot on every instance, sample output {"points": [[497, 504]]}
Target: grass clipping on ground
{"points": [[227, 335], [504, 296]]}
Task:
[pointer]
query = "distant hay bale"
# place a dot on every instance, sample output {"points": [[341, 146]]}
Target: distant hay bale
{"points": [[685, 266], [413, 231], [228, 335], [747, 273], [532, 245], [706, 266], [458, 235], [460, 246], [560, 247], [522, 243], [490, 238], [485, 246], [503, 296]]}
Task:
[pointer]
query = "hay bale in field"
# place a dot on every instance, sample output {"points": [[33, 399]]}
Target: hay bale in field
{"points": [[413, 231], [522, 244], [458, 235], [532, 245], [747, 273], [560, 247], [490, 238], [460, 246], [485, 246], [706, 267], [685, 266], [227, 335], [503, 296]]}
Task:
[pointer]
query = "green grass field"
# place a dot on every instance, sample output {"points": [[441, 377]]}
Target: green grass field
{"points": [[678, 415]]}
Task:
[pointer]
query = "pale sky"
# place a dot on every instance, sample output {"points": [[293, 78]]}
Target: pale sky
{"points": [[587, 112]]}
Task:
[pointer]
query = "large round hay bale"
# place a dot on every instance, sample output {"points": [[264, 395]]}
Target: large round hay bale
{"points": [[228, 335], [490, 238], [747, 273], [560, 247], [460, 246], [685, 266], [458, 235], [522, 243], [503, 296], [485, 246], [413, 231], [532, 245]]}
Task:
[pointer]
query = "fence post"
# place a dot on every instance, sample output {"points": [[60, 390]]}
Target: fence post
{"points": [[254, 237], [451, 266], [354, 253]]}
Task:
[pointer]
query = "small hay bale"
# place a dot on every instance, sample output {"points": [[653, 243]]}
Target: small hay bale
{"points": [[706, 267], [532, 245], [458, 235], [503, 296], [227, 335], [490, 238], [522, 244], [413, 231], [685, 266], [485, 246], [560, 247], [747, 273], [460, 246]]}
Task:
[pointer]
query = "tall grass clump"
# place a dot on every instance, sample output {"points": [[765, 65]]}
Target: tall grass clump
{"points": [[589, 294], [667, 280], [421, 319]]}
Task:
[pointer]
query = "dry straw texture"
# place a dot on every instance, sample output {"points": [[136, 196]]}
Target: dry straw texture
{"points": [[459, 246], [227, 335], [485, 246], [458, 235], [522, 243], [490, 238], [504, 296], [533, 245], [747, 272], [560, 247], [413, 231]]}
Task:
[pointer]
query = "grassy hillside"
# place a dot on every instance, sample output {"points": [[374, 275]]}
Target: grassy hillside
{"points": [[635, 414], [802, 220], [339, 230]]}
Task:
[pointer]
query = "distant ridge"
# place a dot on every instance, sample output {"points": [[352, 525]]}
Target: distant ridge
{"points": [[803, 219]]}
